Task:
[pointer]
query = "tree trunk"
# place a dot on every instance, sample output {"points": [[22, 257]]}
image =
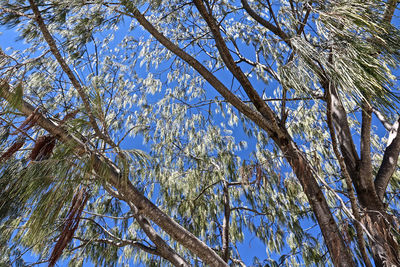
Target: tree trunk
{"points": [[339, 252], [380, 226]]}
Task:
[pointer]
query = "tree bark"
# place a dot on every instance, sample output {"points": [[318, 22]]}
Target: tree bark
{"points": [[384, 247]]}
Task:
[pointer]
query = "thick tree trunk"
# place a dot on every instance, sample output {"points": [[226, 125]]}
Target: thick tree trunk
{"points": [[384, 247], [380, 226]]}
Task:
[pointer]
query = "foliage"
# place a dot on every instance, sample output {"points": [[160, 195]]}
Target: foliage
{"points": [[185, 147]]}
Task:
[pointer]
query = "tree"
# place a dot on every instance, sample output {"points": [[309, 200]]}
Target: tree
{"points": [[306, 81]]}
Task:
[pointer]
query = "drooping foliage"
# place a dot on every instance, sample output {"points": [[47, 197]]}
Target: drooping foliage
{"points": [[133, 96]]}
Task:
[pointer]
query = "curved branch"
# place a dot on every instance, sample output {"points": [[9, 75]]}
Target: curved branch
{"points": [[276, 30], [121, 243]]}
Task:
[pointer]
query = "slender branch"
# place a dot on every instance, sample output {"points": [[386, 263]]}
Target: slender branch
{"points": [[272, 14], [304, 22], [225, 223], [108, 216], [204, 190], [249, 209], [121, 243], [274, 29], [75, 82], [382, 119], [260, 105]]}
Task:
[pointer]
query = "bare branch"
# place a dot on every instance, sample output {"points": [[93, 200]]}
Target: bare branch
{"points": [[121, 243], [276, 30], [366, 181], [389, 161], [225, 223], [304, 22]]}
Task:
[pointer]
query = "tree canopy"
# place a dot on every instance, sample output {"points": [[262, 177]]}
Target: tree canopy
{"points": [[174, 132]]}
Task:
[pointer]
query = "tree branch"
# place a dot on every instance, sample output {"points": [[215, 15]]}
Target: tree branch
{"points": [[225, 223], [345, 140], [162, 247], [365, 183], [391, 154], [195, 64], [255, 98], [383, 120], [121, 243], [389, 161], [276, 30], [77, 85]]}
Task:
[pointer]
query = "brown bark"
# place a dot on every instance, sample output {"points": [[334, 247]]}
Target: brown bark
{"points": [[384, 248], [389, 162], [340, 253]]}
